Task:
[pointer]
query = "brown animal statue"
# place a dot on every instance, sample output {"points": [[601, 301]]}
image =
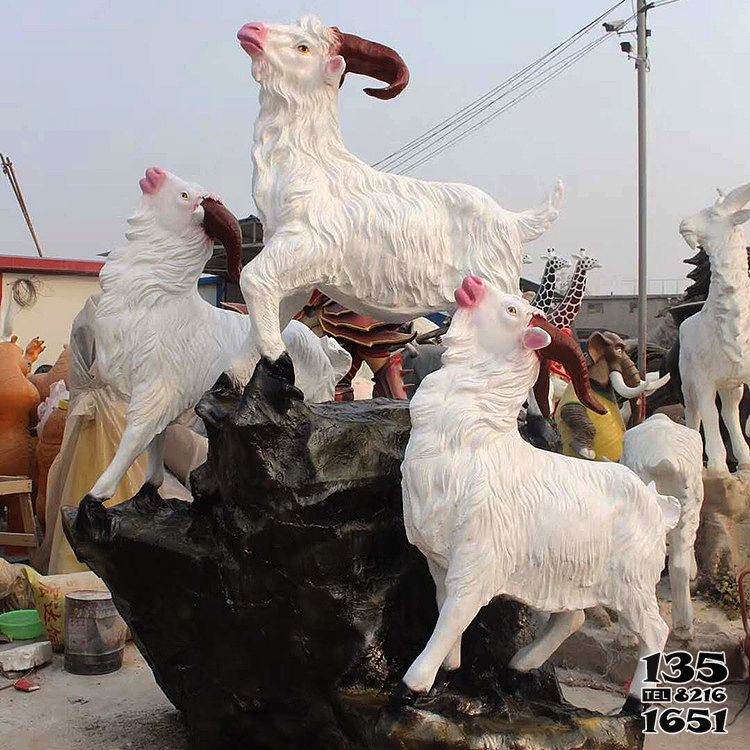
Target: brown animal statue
{"points": [[595, 436], [19, 399], [44, 380]]}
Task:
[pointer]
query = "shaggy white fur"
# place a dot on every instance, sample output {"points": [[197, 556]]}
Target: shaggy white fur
{"points": [[384, 245], [671, 455], [715, 342], [495, 516], [160, 346]]}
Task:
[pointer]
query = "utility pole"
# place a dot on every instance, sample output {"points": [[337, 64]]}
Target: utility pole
{"points": [[7, 165], [642, 65]]}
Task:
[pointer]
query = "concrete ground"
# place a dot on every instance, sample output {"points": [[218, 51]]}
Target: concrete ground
{"points": [[117, 711], [126, 710]]}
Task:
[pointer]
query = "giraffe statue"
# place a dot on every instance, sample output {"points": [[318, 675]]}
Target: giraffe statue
{"points": [[546, 293], [565, 313]]}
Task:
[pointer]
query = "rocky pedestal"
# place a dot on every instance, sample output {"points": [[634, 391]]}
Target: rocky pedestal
{"points": [[282, 608], [722, 547]]}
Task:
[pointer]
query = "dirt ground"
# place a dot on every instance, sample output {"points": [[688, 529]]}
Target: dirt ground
{"points": [[127, 710]]}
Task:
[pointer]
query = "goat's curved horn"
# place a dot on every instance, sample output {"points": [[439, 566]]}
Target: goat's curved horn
{"points": [[222, 225], [565, 350], [372, 59]]}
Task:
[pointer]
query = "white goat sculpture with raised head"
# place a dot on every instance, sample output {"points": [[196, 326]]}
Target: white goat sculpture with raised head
{"points": [[384, 245], [159, 344], [671, 455], [495, 516], [715, 342]]}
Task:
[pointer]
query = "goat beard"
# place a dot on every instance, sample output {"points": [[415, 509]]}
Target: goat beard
{"points": [[565, 350]]}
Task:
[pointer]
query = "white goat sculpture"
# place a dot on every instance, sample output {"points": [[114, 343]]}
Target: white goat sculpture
{"points": [[495, 516], [671, 455], [383, 245], [159, 344], [715, 342]]}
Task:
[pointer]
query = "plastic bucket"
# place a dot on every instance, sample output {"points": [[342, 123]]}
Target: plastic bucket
{"points": [[94, 633], [21, 625]]}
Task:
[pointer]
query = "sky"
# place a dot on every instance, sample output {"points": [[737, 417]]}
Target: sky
{"points": [[93, 92]]}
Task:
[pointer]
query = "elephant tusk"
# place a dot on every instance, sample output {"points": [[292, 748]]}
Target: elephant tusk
{"points": [[654, 383], [647, 386], [624, 390]]}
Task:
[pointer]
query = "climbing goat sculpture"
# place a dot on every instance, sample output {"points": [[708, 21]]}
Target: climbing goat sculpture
{"points": [[383, 245], [159, 344], [715, 342], [495, 516]]}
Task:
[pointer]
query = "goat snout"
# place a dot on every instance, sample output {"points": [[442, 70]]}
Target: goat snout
{"points": [[252, 38]]}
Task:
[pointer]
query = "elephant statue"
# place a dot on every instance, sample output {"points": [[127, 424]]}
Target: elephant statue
{"points": [[586, 434]]}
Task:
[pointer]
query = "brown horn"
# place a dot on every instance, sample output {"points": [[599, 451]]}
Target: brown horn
{"points": [[222, 225], [541, 389], [565, 350], [372, 59]]}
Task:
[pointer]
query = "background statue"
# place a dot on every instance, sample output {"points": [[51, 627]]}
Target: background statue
{"points": [[598, 436], [383, 245], [715, 342], [547, 291], [567, 311], [18, 402], [671, 455]]}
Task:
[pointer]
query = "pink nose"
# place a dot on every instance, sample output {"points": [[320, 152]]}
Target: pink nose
{"points": [[252, 38], [153, 181]]}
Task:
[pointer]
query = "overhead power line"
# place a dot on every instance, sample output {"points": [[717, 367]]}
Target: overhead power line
{"points": [[482, 110], [548, 75]]}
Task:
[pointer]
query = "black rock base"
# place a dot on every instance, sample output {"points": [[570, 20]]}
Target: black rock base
{"points": [[282, 608]]}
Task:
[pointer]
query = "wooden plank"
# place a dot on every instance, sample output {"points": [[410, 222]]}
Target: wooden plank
{"points": [[27, 514], [11, 539], [14, 485]]}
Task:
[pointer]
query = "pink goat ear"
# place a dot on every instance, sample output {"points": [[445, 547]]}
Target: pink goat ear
{"points": [[471, 292], [335, 66], [536, 338]]}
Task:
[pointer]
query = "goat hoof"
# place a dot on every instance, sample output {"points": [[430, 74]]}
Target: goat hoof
{"points": [[633, 707], [442, 681], [94, 521], [273, 382], [224, 386], [401, 697], [683, 634], [147, 499]]}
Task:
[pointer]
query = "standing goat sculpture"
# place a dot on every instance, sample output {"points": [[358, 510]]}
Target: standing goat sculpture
{"points": [[671, 455], [715, 342], [159, 344], [384, 245], [495, 516]]}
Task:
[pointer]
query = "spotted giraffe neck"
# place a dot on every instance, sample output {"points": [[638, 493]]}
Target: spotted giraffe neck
{"points": [[567, 311], [545, 295]]}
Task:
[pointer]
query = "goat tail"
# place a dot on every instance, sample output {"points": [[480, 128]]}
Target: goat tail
{"points": [[669, 506], [536, 221]]}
